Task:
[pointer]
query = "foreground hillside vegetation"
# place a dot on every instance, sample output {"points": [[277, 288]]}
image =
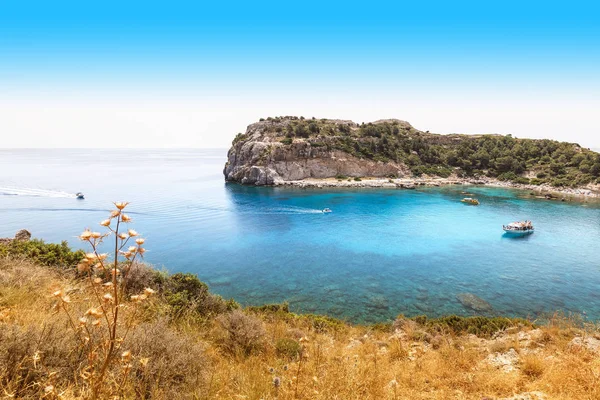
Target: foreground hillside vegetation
{"points": [[525, 161], [77, 325]]}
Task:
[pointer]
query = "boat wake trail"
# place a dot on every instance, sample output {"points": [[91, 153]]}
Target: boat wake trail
{"points": [[14, 191], [248, 209], [292, 210]]}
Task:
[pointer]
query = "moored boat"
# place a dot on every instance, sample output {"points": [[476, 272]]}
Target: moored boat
{"points": [[519, 228], [470, 200]]}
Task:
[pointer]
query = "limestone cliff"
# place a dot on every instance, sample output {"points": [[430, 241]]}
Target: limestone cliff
{"points": [[263, 156]]}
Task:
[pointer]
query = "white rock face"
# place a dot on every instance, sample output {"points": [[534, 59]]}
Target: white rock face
{"points": [[505, 361], [590, 343], [259, 158]]}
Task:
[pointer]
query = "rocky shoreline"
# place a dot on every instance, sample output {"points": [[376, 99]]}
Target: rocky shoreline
{"points": [[544, 191]]}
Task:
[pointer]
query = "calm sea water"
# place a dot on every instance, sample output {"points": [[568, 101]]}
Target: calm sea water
{"points": [[378, 254]]}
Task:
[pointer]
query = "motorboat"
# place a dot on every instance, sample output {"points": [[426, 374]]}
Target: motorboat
{"points": [[470, 200], [326, 210], [518, 228], [79, 195]]}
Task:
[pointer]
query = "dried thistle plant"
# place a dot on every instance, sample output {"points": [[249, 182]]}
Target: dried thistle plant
{"points": [[103, 328]]}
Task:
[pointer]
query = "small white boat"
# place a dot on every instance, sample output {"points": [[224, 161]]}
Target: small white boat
{"points": [[326, 210], [519, 228], [79, 195]]}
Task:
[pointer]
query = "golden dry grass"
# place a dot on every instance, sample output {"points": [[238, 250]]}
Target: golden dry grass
{"points": [[206, 360]]}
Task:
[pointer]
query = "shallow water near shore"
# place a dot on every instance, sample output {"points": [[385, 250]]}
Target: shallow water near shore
{"points": [[381, 252]]}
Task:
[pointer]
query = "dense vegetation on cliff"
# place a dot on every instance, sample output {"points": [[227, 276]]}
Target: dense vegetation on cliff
{"points": [[503, 157]]}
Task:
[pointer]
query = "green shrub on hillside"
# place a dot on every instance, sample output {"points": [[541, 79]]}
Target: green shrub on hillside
{"points": [[288, 348], [271, 308], [238, 137], [322, 323], [50, 254], [536, 181], [184, 292], [480, 326], [522, 180], [244, 334]]}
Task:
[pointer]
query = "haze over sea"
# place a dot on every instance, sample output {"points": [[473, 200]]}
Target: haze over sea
{"points": [[380, 253]]}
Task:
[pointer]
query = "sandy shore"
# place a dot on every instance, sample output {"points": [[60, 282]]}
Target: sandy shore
{"points": [[404, 183]]}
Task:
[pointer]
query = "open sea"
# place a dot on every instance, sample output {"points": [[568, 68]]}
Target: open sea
{"points": [[380, 253]]}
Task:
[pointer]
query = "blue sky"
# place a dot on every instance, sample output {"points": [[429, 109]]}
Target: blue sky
{"points": [[212, 68]]}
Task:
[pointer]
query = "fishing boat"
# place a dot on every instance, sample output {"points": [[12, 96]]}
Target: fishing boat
{"points": [[326, 210], [470, 200], [518, 228], [79, 195]]}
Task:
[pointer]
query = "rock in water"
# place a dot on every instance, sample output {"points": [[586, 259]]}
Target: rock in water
{"points": [[473, 302]]}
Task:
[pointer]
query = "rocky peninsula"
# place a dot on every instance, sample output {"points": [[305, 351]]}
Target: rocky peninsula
{"points": [[392, 153]]}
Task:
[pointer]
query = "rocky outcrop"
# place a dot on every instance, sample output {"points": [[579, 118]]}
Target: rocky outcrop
{"points": [[262, 156], [23, 235], [589, 343], [506, 361]]}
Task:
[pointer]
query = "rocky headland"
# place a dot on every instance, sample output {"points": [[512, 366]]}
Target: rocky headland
{"points": [[392, 153]]}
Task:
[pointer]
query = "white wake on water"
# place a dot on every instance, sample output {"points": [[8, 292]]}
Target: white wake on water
{"points": [[14, 191], [248, 209], [294, 210]]}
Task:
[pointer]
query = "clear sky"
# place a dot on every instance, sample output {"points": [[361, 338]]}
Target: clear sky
{"points": [[193, 74]]}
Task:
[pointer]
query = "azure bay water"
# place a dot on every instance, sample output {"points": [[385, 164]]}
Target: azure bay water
{"points": [[381, 252]]}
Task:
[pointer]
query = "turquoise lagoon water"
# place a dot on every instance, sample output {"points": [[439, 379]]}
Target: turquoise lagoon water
{"points": [[378, 254]]}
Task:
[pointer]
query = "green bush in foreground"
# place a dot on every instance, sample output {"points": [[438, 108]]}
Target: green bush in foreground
{"points": [[49, 254], [288, 348], [184, 292], [320, 323], [271, 308]]}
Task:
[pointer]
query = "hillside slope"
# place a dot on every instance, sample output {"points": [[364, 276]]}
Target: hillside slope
{"points": [[187, 343]]}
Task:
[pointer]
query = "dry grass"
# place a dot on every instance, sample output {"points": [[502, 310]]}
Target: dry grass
{"points": [[257, 355]]}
